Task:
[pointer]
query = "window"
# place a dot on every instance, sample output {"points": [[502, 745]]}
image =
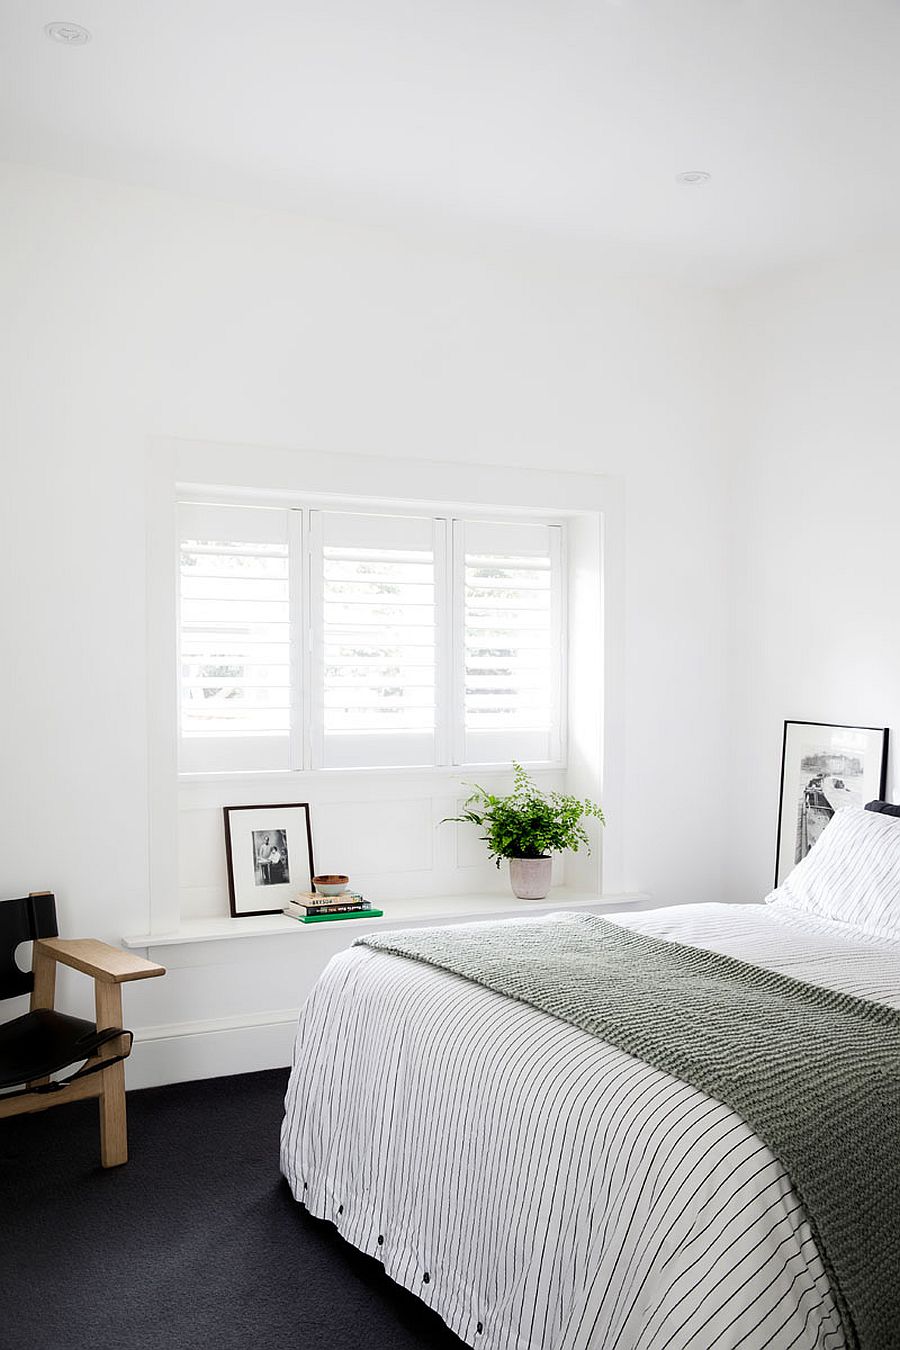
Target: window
{"points": [[235, 638], [320, 638], [375, 646], [510, 647]]}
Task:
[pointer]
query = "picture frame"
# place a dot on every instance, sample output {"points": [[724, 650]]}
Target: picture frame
{"points": [[824, 767], [269, 853]]}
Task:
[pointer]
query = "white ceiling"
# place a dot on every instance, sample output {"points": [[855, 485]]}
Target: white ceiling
{"points": [[558, 118]]}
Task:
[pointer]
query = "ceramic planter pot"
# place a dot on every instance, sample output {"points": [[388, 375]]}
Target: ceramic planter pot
{"points": [[530, 877]]}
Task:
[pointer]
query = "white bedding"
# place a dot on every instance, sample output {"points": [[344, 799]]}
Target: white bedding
{"points": [[543, 1191]]}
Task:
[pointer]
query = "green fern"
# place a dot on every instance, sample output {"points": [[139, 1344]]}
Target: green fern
{"points": [[528, 823]]}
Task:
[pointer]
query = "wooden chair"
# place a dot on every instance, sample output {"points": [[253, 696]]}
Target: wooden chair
{"points": [[44, 1041]]}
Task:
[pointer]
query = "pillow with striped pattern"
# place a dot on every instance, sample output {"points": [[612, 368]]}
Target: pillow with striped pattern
{"points": [[851, 874]]}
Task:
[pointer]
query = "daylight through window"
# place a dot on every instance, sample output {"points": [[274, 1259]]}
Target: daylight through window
{"points": [[315, 638]]}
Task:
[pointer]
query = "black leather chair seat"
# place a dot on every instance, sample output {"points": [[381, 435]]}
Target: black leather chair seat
{"points": [[42, 1042]]}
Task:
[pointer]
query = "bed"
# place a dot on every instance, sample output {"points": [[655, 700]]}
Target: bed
{"points": [[543, 1190]]}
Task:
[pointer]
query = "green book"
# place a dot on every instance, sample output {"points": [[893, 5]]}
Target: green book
{"points": [[336, 918]]}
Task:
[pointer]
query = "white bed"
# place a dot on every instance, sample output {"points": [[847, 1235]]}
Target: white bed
{"points": [[543, 1191]]}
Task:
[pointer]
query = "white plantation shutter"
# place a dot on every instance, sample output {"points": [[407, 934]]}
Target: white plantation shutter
{"points": [[334, 639], [511, 649], [376, 644], [235, 638]]}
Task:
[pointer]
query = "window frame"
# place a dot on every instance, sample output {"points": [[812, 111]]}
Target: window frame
{"points": [[305, 557]]}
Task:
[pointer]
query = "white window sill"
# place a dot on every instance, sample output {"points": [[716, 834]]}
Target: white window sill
{"points": [[429, 910]]}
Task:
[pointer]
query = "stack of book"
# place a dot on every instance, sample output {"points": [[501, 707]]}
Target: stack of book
{"points": [[310, 907]]}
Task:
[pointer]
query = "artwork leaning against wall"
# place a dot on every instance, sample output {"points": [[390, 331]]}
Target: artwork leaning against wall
{"points": [[824, 768]]}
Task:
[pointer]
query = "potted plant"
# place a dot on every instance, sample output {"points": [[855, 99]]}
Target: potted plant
{"points": [[527, 827]]}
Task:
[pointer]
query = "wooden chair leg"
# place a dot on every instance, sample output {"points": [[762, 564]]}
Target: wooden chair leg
{"points": [[113, 1125]]}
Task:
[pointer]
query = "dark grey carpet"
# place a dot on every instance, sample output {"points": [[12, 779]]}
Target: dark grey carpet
{"points": [[197, 1242]]}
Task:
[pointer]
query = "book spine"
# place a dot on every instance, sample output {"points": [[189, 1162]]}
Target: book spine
{"points": [[337, 918], [311, 899], [302, 910]]}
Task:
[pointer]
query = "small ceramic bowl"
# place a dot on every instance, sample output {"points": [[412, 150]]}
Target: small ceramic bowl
{"points": [[331, 885]]}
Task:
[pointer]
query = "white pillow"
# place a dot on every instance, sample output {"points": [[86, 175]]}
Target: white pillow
{"points": [[851, 874]]}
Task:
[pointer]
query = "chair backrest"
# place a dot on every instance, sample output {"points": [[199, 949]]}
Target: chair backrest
{"points": [[23, 920]]}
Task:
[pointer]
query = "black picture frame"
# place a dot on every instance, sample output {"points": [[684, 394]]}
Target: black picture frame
{"points": [[269, 856], [818, 762]]}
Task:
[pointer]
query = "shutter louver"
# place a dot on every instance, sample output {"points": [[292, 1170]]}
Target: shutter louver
{"points": [[235, 638], [378, 640], [511, 642]]}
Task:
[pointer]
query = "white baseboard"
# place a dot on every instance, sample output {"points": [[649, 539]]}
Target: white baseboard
{"points": [[211, 1049]]}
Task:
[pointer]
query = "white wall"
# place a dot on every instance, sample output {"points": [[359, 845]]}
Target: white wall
{"points": [[816, 613], [130, 314]]}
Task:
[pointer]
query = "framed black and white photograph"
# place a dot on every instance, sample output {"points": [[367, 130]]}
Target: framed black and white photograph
{"points": [[823, 769], [270, 856]]}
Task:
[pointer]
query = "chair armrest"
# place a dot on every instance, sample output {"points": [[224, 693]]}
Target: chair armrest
{"points": [[109, 964]]}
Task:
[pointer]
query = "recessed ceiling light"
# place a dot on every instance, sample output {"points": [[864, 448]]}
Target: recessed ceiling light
{"points": [[69, 34], [693, 178]]}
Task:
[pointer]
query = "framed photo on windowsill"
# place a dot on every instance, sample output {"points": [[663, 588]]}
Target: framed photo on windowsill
{"points": [[270, 856], [823, 769]]}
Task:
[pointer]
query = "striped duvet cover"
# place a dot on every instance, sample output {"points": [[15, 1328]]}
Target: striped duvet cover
{"points": [[538, 1188]]}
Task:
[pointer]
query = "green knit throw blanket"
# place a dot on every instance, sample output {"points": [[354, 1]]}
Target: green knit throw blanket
{"points": [[814, 1073]]}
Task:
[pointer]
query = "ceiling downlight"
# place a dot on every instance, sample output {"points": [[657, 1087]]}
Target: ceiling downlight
{"points": [[68, 34], [693, 178]]}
